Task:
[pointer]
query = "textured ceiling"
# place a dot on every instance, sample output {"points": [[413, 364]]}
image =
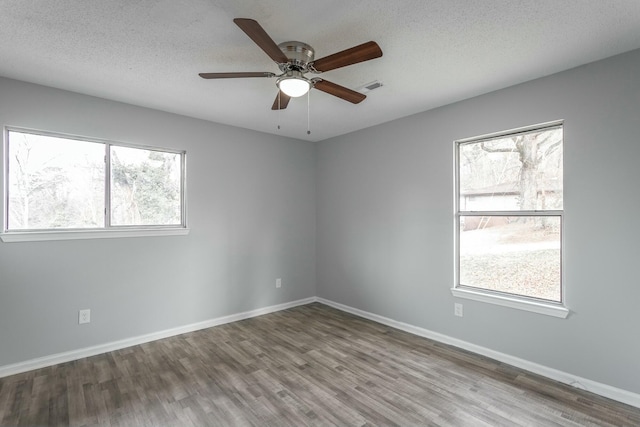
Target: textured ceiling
{"points": [[149, 52]]}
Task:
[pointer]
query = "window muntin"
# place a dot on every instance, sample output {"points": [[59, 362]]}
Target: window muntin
{"points": [[60, 183], [509, 214]]}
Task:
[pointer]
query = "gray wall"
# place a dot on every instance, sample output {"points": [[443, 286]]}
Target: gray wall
{"points": [[251, 202], [385, 221], [383, 200]]}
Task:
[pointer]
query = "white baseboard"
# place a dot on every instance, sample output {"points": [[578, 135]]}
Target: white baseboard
{"points": [[54, 359], [604, 390]]}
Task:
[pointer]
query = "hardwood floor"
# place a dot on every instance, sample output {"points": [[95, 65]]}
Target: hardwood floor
{"points": [[309, 365]]}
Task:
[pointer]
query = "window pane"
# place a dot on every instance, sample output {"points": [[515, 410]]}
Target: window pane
{"points": [[516, 255], [145, 187], [519, 172], [54, 183]]}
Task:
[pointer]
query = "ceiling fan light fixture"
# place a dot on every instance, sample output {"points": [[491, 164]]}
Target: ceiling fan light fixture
{"points": [[295, 59], [294, 84]]}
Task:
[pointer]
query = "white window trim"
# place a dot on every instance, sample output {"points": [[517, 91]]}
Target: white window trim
{"points": [[550, 308], [108, 232], [40, 236]]}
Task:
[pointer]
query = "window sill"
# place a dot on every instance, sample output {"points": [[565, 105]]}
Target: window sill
{"points": [[548, 309], [39, 236]]}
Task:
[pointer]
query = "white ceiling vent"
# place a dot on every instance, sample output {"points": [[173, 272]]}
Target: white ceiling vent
{"points": [[370, 86]]}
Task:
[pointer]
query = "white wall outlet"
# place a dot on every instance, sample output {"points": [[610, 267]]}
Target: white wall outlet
{"points": [[457, 309], [278, 283], [84, 316]]}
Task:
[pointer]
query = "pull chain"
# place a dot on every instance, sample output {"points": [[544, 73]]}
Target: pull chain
{"points": [[308, 114], [279, 110]]}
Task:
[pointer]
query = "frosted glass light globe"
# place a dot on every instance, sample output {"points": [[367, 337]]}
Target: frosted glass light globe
{"points": [[294, 84]]}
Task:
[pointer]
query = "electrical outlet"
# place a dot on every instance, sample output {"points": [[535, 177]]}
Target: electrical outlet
{"points": [[84, 316], [457, 309], [278, 283]]}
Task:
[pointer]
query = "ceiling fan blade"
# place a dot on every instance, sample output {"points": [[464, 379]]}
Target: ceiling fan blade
{"points": [[360, 53], [262, 39], [339, 91], [281, 101], [235, 75]]}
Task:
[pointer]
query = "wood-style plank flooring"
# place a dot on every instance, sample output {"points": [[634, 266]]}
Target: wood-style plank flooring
{"points": [[309, 365]]}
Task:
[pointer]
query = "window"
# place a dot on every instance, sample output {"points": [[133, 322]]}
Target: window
{"points": [[59, 183], [509, 211]]}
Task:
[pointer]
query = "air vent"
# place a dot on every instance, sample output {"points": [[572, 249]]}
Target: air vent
{"points": [[370, 86]]}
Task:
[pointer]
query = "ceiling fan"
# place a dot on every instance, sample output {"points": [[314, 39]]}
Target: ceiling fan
{"points": [[295, 59]]}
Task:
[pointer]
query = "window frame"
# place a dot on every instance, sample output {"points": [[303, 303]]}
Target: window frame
{"points": [[521, 302], [108, 230]]}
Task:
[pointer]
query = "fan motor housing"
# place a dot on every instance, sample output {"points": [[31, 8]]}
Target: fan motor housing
{"points": [[299, 54]]}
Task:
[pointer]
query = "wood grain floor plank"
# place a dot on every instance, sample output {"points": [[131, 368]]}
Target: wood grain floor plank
{"points": [[306, 366]]}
